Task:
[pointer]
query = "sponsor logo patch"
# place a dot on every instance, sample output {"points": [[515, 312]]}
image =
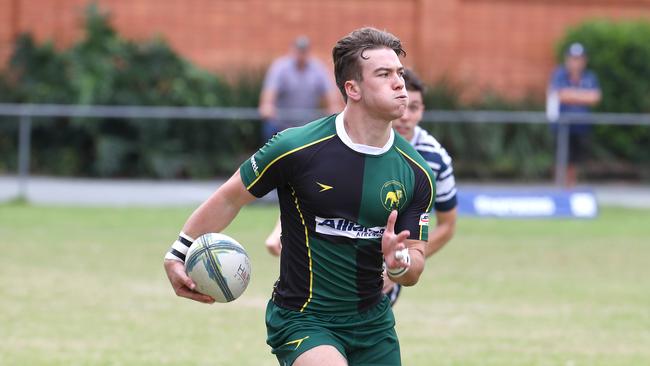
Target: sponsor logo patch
{"points": [[347, 228], [424, 219], [254, 165]]}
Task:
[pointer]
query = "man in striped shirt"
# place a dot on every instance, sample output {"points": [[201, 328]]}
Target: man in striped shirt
{"points": [[440, 163]]}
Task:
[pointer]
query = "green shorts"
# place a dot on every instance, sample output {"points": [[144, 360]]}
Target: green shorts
{"points": [[367, 338]]}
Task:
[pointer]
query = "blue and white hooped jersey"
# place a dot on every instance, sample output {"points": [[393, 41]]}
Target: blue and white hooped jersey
{"points": [[440, 162]]}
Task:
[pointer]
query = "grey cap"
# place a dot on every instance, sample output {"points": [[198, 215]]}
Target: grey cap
{"points": [[576, 49], [301, 43]]}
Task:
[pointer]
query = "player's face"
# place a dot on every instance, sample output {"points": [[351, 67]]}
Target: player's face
{"points": [[411, 117], [576, 64], [382, 86]]}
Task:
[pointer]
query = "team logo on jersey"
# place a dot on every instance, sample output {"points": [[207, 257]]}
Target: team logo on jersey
{"points": [[347, 228], [324, 187], [393, 195]]}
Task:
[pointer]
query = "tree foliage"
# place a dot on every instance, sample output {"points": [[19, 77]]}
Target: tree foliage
{"points": [[105, 69]]}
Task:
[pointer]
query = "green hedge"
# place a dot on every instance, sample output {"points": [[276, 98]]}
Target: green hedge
{"points": [[491, 151], [104, 69]]}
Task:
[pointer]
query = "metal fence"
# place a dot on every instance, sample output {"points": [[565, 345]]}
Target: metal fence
{"points": [[26, 112]]}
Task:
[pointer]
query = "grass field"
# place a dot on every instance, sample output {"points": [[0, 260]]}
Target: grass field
{"points": [[85, 286]]}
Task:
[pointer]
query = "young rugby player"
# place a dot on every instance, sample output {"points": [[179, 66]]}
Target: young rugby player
{"points": [[352, 195]]}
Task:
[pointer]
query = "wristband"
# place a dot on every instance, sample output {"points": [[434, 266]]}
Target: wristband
{"points": [[179, 248], [403, 256]]}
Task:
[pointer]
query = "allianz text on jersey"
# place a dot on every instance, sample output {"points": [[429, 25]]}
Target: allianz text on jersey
{"points": [[347, 228]]}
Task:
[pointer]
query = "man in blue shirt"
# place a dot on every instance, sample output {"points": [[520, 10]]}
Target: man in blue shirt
{"points": [[574, 89]]}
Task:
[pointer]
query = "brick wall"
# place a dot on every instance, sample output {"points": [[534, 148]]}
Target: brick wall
{"points": [[508, 45], [505, 45]]}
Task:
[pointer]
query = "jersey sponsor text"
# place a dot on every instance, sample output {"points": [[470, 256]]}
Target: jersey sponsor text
{"points": [[347, 228]]}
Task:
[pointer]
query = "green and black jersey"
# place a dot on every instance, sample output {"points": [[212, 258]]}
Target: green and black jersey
{"points": [[335, 197]]}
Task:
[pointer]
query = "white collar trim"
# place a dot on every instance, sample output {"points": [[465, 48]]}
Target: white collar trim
{"points": [[364, 149]]}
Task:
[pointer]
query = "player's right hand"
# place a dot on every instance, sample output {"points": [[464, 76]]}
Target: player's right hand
{"points": [[182, 284]]}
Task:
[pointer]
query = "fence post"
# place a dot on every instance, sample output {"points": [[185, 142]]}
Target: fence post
{"points": [[24, 148], [562, 152]]}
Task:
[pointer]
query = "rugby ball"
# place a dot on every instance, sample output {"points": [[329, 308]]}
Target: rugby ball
{"points": [[219, 266]]}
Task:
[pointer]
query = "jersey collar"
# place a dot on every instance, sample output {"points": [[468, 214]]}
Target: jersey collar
{"points": [[364, 149]]}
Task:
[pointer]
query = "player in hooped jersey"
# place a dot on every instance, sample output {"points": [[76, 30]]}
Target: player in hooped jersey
{"points": [[439, 161], [352, 195]]}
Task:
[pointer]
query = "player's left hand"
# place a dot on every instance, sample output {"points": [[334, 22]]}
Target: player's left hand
{"points": [[391, 243]]}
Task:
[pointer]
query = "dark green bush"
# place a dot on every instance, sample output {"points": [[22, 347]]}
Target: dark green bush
{"points": [[491, 151], [104, 69]]}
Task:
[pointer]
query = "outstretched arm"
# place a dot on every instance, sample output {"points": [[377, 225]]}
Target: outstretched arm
{"points": [[212, 216]]}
